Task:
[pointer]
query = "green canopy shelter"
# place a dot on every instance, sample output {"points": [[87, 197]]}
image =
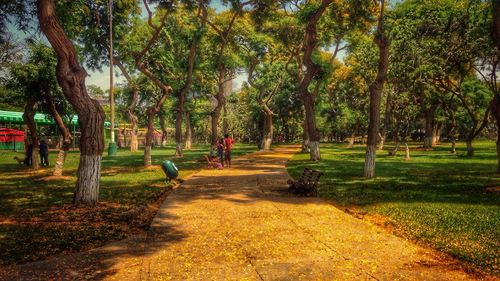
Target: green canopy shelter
{"points": [[13, 117], [9, 118]]}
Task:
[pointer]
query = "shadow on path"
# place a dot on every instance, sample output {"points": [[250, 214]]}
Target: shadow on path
{"points": [[241, 224]]}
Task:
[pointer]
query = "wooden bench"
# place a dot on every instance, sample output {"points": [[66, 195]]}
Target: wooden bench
{"points": [[307, 184]]}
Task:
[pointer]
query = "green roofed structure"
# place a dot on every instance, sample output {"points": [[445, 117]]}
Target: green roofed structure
{"points": [[13, 117], [14, 120]]}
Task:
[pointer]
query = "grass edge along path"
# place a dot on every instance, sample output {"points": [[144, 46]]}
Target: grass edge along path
{"points": [[445, 201], [37, 220]]}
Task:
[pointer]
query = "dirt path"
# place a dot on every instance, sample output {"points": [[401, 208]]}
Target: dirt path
{"points": [[238, 224]]}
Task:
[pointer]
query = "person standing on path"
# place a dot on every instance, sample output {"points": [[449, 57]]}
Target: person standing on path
{"points": [[228, 142], [220, 151], [44, 153]]}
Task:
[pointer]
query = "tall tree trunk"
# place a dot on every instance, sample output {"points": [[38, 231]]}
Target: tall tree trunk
{"points": [[151, 112], [263, 98], [61, 158], [376, 89], [183, 93], [134, 99], [453, 148], [397, 138], [134, 142], [310, 41], [429, 127], [495, 103], [451, 132], [395, 150], [179, 114], [225, 124], [188, 138], [268, 129], [132, 118], [215, 114], [436, 134], [163, 127], [305, 137], [387, 121], [149, 136], [71, 77], [312, 131], [407, 152], [353, 136], [286, 129], [471, 136], [29, 120], [65, 133]]}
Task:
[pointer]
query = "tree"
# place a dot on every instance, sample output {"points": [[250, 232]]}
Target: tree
{"points": [[189, 65], [223, 63], [71, 77], [376, 88]]}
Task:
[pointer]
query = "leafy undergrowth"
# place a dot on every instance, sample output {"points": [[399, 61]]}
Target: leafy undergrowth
{"points": [[37, 219], [450, 202]]}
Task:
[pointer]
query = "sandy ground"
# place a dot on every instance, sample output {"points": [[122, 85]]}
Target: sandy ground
{"points": [[241, 224]]}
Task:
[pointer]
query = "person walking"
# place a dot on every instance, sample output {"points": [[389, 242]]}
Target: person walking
{"points": [[44, 153], [220, 151], [228, 143]]}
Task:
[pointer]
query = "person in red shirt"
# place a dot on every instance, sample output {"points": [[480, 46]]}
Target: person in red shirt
{"points": [[228, 143]]}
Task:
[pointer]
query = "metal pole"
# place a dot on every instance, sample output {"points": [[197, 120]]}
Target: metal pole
{"points": [[112, 146]]}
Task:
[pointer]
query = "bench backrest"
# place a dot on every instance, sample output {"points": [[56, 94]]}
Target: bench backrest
{"points": [[306, 173], [310, 177]]}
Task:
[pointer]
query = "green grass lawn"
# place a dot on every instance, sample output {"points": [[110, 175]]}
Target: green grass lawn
{"points": [[443, 200], [36, 216]]}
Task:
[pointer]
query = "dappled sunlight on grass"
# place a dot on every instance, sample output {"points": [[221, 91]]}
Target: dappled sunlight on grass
{"points": [[34, 206], [438, 198]]}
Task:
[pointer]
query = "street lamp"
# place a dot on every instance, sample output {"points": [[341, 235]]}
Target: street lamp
{"points": [[112, 149]]}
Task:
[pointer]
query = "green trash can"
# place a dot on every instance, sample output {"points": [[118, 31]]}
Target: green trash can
{"points": [[170, 170], [112, 149]]}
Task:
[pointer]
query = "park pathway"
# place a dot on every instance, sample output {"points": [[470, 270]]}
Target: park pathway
{"points": [[240, 224]]}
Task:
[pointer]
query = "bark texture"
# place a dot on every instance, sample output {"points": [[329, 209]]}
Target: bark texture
{"points": [[179, 114], [263, 97], [215, 114], [188, 138], [495, 103], [130, 110], [407, 152], [29, 120], [376, 89], [89, 173], [370, 157], [163, 127], [181, 98], [305, 137], [222, 70], [430, 127], [310, 41], [268, 131], [71, 77], [495, 111], [63, 130], [387, 120], [151, 112]]}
